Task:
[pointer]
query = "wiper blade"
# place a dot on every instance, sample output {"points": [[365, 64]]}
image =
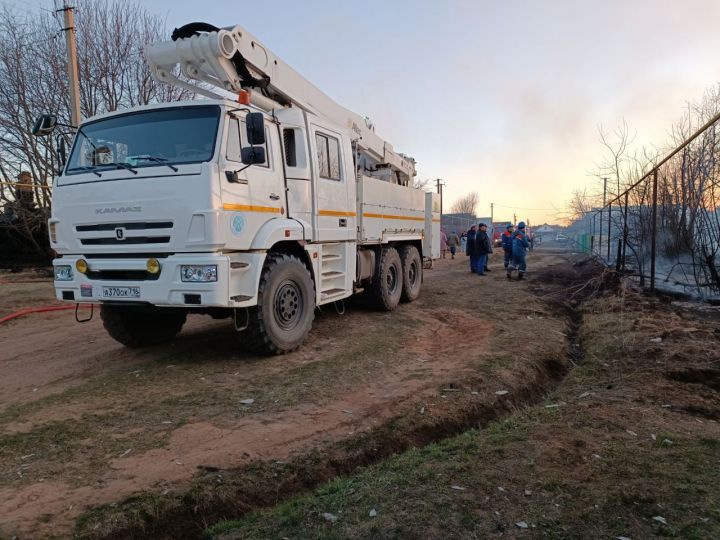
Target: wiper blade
{"points": [[156, 159], [86, 168], [120, 165]]}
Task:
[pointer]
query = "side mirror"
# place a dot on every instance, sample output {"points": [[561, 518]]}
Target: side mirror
{"points": [[44, 125], [255, 125], [61, 150], [252, 155]]}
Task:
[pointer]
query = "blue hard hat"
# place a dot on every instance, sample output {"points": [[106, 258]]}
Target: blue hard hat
{"points": [[521, 225], [509, 226]]}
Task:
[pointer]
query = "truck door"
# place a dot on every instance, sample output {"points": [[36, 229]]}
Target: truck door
{"points": [[334, 183], [298, 177], [259, 194]]}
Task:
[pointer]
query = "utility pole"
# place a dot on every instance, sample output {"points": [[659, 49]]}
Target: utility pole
{"points": [[514, 220], [601, 215], [72, 65], [604, 191], [440, 191], [492, 216]]}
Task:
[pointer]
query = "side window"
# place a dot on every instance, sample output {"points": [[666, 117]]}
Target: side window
{"points": [[290, 147], [328, 151], [236, 135], [233, 141]]}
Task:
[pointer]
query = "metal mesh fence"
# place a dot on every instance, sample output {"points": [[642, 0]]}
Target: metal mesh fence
{"points": [[665, 228]]}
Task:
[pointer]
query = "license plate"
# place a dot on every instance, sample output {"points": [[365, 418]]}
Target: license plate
{"points": [[121, 292]]}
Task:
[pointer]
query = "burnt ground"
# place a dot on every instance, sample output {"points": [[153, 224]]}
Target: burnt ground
{"points": [[86, 424]]}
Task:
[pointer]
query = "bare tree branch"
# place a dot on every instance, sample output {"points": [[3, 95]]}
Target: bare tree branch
{"points": [[33, 80], [466, 204]]}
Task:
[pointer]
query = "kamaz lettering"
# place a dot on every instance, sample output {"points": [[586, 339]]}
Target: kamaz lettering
{"points": [[118, 210]]}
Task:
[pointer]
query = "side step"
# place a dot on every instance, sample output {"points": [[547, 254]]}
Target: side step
{"points": [[331, 293], [333, 277]]}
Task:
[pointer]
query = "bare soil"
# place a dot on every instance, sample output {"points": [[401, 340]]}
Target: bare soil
{"points": [[626, 446], [86, 422]]}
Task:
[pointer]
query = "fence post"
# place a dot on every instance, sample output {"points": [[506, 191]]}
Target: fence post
{"points": [[600, 234], [609, 238], [653, 240], [625, 230]]}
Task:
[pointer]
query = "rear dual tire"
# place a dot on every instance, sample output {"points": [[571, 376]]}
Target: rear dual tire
{"points": [[412, 273], [386, 288], [398, 276]]}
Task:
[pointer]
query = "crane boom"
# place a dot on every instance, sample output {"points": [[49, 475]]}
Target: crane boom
{"points": [[232, 59]]}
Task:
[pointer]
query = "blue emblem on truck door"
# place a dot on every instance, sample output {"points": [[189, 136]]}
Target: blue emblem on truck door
{"points": [[237, 224]]}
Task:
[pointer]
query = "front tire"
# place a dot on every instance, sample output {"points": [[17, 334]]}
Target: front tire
{"points": [[285, 309], [388, 280], [142, 326], [412, 273]]}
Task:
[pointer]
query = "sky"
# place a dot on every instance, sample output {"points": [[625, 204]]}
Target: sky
{"points": [[502, 97]]}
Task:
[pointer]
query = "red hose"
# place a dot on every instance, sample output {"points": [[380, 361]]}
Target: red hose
{"points": [[12, 282], [28, 311]]}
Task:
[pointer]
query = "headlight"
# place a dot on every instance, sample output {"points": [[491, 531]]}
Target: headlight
{"points": [[198, 272], [63, 273]]}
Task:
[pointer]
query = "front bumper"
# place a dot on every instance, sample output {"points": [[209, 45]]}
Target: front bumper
{"points": [[238, 275]]}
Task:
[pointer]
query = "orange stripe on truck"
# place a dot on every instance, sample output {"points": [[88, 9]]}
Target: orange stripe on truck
{"points": [[390, 216], [251, 208], [336, 213]]}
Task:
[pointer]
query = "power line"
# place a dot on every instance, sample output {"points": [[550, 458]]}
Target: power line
{"points": [[30, 18], [529, 209], [33, 5], [26, 12]]}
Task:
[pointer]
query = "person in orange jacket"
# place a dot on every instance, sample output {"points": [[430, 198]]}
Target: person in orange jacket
{"points": [[506, 242]]}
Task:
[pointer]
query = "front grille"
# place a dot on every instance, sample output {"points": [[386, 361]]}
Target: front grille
{"points": [[123, 233], [127, 255], [122, 275], [125, 241], [134, 226]]}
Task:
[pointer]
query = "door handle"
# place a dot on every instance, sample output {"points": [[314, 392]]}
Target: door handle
{"points": [[274, 197], [342, 222]]}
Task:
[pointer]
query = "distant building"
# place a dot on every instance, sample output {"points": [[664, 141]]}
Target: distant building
{"points": [[462, 222], [457, 222]]}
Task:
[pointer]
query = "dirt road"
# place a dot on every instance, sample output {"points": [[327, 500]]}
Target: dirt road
{"points": [[85, 421]]}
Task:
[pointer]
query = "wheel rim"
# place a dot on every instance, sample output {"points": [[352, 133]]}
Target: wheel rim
{"points": [[288, 305], [412, 273], [392, 279]]}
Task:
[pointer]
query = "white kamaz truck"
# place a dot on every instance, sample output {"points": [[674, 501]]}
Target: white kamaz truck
{"points": [[260, 203]]}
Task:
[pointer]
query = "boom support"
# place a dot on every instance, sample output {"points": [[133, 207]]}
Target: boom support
{"points": [[221, 56]]}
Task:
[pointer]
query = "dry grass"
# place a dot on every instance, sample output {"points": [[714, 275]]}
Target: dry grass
{"points": [[16, 294], [459, 317], [629, 437], [98, 420]]}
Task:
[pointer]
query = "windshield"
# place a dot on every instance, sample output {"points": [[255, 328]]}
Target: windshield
{"points": [[146, 139]]}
